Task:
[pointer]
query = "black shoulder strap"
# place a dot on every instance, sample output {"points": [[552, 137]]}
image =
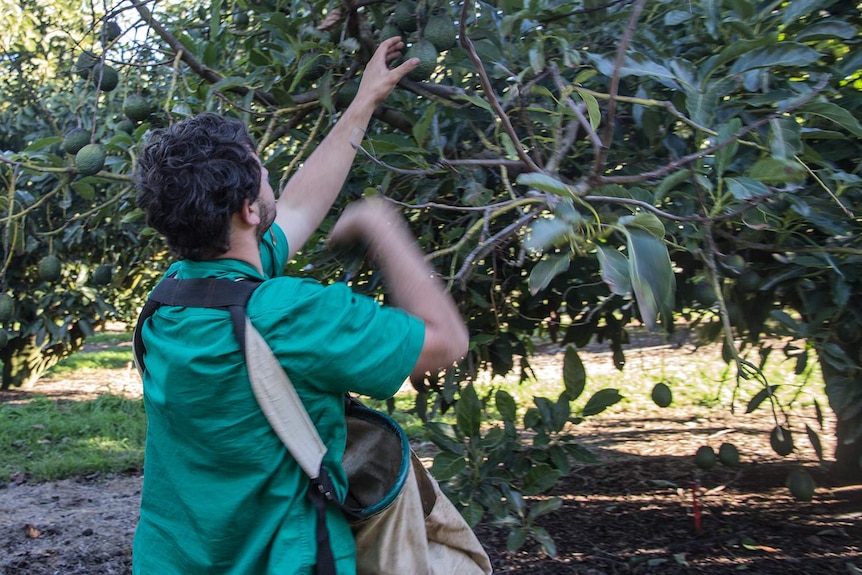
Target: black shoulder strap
{"points": [[231, 295]]}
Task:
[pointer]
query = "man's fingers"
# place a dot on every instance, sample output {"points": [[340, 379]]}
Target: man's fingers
{"points": [[405, 67]]}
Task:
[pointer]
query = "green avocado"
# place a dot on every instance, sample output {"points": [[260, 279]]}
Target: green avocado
{"points": [[75, 139], [440, 31], [50, 268], [427, 54], [728, 455], [705, 457], [801, 485], [662, 395], [781, 441], [7, 307], [90, 159]]}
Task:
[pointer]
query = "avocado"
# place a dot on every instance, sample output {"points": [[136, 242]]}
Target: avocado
{"points": [[662, 395]]}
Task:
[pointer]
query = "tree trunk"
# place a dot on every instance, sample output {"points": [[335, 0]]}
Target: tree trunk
{"points": [[844, 390], [25, 361]]}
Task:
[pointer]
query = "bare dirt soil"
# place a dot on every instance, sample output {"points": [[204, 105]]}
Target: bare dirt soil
{"points": [[632, 514]]}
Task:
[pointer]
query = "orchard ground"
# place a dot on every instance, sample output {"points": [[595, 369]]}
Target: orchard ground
{"points": [[633, 513]]}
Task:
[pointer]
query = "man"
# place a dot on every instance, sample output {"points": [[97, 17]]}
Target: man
{"points": [[221, 494]]}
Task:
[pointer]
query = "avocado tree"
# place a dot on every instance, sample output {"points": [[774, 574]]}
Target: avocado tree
{"points": [[71, 258], [572, 169]]}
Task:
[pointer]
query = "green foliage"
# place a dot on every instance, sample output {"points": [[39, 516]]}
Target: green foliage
{"points": [[48, 439], [502, 470]]}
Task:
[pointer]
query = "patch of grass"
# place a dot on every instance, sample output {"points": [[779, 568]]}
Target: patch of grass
{"points": [[104, 350], [47, 439], [110, 338], [103, 359]]}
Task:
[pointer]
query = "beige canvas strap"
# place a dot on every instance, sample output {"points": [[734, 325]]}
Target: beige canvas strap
{"points": [[281, 404]]}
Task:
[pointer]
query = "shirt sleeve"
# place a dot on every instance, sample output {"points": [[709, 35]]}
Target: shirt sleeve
{"points": [[273, 251], [338, 341]]}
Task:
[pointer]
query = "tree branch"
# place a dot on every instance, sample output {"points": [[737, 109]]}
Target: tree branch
{"points": [[607, 138], [483, 248], [675, 165], [467, 44]]}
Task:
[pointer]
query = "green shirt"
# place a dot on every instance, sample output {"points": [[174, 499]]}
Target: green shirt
{"points": [[221, 494]]}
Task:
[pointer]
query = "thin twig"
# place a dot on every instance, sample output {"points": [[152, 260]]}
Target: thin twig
{"points": [[667, 215], [401, 171]]}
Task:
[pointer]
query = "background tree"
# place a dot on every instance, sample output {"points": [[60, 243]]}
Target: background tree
{"points": [[573, 169]]}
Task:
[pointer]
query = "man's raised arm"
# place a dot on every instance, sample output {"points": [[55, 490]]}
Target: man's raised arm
{"points": [[309, 193]]}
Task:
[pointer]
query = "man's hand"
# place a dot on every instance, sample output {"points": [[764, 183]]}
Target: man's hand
{"points": [[365, 222], [378, 80]]}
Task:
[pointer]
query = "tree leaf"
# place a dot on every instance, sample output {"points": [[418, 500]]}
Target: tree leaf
{"points": [[600, 401], [775, 171], [574, 373], [468, 412], [834, 113], [447, 465], [675, 17], [784, 138], [546, 270], [42, 143], [781, 54], [505, 405], [443, 436], [516, 539], [759, 397], [594, 112], [799, 8], [725, 156], [473, 513], [539, 479], [652, 276], [746, 188], [420, 128], [547, 542], [815, 442], [560, 412], [546, 183], [634, 65], [646, 221], [546, 232], [615, 270], [582, 454], [827, 29], [544, 506]]}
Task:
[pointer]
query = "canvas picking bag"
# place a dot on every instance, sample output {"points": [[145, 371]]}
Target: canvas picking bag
{"points": [[402, 522]]}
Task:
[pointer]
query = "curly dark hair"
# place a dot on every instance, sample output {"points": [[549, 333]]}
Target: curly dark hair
{"points": [[192, 177]]}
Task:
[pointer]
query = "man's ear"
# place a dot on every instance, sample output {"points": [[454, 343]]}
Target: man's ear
{"points": [[250, 212]]}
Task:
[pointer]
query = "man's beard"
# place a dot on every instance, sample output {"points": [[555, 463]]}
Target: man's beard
{"points": [[267, 216]]}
